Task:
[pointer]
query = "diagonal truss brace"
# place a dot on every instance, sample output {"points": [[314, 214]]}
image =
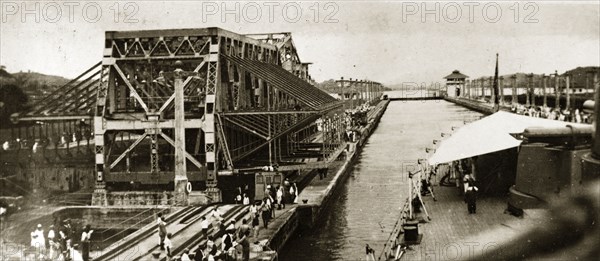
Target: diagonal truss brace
{"points": [[133, 91], [223, 142], [131, 147], [187, 154], [247, 129]]}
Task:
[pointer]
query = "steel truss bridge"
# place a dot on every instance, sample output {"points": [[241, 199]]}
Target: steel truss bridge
{"points": [[189, 105]]}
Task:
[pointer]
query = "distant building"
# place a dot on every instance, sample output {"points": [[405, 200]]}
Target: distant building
{"points": [[455, 84]]}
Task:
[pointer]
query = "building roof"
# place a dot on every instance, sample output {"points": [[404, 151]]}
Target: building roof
{"points": [[456, 75]]}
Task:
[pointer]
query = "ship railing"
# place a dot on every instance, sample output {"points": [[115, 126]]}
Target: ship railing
{"points": [[391, 243]]}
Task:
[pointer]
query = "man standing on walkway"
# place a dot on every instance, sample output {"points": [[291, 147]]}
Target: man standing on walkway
{"points": [[204, 224], [265, 212], [86, 235], [255, 219], [471, 198], [245, 245], [162, 230], [168, 246], [279, 195]]}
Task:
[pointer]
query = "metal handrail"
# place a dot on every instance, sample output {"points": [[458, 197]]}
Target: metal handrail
{"points": [[124, 230], [396, 227]]}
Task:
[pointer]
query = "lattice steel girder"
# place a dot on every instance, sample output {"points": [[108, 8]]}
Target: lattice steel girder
{"points": [[210, 31], [267, 112], [142, 125], [56, 118], [213, 83]]}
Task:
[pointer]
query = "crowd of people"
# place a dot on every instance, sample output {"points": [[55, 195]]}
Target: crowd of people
{"points": [[567, 115], [209, 250], [276, 197], [61, 242]]}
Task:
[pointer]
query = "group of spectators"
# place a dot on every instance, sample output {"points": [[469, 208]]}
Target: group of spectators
{"points": [[232, 237], [275, 198], [60, 242], [210, 250], [567, 115]]}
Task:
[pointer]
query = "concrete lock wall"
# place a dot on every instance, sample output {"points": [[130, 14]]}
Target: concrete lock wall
{"points": [[139, 198], [52, 177], [60, 170], [98, 218]]}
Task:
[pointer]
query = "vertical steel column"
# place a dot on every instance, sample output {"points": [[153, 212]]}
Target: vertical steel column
{"points": [[527, 95], [181, 179], [568, 90], [491, 87], [514, 90], [532, 89], [212, 86], [545, 85], [596, 144], [100, 197], [556, 91], [481, 86], [468, 89], [501, 86], [343, 93], [154, 168]]}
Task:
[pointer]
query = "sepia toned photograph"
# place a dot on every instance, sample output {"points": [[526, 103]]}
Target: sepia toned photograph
{"points": [[180, 130]]}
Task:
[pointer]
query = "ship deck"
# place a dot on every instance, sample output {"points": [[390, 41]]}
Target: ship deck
{"points": [[454, 234]]}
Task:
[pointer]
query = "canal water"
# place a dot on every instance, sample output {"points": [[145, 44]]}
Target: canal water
{"points": [[366, 208]]}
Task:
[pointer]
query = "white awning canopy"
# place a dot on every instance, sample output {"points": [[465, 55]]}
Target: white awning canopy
{"points": [[489, 134]]}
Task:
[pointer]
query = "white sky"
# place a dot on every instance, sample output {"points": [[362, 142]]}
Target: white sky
{"points": [[364, 39]]}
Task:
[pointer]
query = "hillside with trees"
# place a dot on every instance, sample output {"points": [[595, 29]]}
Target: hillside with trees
{"points": [[19, 90]]}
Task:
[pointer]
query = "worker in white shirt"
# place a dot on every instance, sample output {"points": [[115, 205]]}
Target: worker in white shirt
{"points": [[204, 224], [168, 246], [86, 235]]}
